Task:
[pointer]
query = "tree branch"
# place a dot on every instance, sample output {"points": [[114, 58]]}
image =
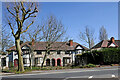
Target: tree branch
{"points": [[11, 29], [35, 10], [17, 14], [30, 15], [10, 12], [23, 8], [27, 27]]}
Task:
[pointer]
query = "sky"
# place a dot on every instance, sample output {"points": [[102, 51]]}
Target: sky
{"points": [[76, 15]]}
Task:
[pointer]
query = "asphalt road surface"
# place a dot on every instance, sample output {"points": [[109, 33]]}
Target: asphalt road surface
{"points": [[70, 74]]}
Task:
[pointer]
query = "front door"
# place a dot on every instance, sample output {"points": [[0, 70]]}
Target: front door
{"points": [[53, 62], [58, 62], [16, 63]]}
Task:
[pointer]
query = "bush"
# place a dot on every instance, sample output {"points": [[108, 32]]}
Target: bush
{"points": [[35, 68], [104, 56], [111, 55], [82, 66], [44, 68], [90, 65]]}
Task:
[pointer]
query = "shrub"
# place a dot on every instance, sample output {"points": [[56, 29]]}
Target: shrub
{"points": [[61, 67], [82, 67], [104, 56], [111, 55], [90, 65], [44, 68], [35, 68]]}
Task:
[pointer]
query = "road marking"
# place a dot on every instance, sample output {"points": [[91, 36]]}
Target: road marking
{"points": [[90, 77], [65, 78], [113, 76]]}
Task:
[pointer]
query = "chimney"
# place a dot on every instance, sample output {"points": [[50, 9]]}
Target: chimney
{"points": [[71, 42], [33, 41], [112, 39]]}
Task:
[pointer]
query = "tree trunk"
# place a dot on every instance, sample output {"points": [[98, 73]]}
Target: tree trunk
{"points": [[30, 60], [20, 59], [43, 60]]}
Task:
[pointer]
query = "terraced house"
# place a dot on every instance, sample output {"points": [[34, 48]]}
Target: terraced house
{"points": [[61, 53]]}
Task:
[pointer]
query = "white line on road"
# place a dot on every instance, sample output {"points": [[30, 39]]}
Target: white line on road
{"points": [[66, 79], [90, 77], [113, 76]]}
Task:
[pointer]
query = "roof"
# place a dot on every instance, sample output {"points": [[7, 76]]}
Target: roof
{"points": [[106, 43], [55, 46]]}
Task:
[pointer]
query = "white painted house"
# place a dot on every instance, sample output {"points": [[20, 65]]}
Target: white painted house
{"points": [[61, 53]]}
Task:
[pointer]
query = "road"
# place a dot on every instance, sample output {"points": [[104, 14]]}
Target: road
{"points": [[69, 74]]}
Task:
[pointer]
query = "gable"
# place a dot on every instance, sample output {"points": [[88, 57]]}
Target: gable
{"points": [[25, 47], [79, 47], [112, 45]]}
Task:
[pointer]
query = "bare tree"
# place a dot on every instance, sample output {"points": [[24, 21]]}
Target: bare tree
{"points": [[88, 37], [33, 35], [103, 34], [7, 41], [52, 31], [20, 12]]}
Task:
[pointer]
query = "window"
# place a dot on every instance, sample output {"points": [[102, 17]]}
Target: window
{"points": [[35, 60], [58, 52], [25, 51], [38, 60], [48, 62], [15, 54], [48, 52], [24, 60], [39, 52], [3, 61], [79, 51], [66, 60], [67, 52]]}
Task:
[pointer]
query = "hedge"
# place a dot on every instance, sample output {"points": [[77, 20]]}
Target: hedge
{"points": [[104, 56]]}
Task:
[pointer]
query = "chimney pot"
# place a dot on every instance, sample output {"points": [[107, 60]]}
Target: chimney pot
{"points": [[71, 42], [112, 39], [33, 41]]}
